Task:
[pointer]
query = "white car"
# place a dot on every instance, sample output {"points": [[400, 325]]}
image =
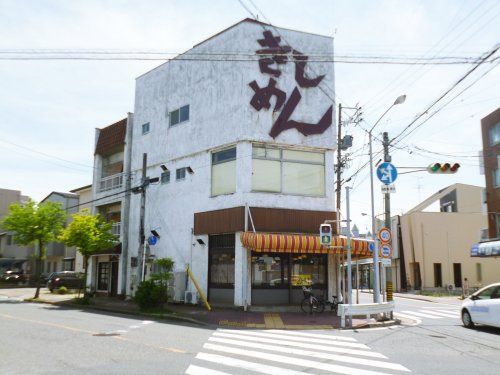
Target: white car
{"points": [[482, 307]]}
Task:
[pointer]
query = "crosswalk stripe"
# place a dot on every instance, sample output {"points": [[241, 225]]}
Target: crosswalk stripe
{"points": [[315, 335], [423, 315], [292, 361], [301, 339], [452, 312], [303, 345], [334, 357], [408, 316], [197, 370], [257, 367], [440, 314]]}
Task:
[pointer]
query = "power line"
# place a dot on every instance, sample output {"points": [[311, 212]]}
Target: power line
{"points": [[469, 72]]}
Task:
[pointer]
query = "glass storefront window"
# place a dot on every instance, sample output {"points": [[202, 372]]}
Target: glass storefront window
{"points": [[269, 270], [272, 270], [221, 268], [309, 267]]}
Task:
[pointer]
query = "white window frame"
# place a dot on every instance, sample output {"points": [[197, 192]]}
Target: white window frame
{"points": [[221, 162], [282, 161], [148, 125]]}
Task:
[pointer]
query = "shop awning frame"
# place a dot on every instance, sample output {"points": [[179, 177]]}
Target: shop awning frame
{"points": [[303, 244]]}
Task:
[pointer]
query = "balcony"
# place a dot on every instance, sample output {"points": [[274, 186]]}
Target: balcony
{"points": [[111, 182]]}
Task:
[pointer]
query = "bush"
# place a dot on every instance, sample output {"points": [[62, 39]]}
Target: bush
{"points": [[62, 290], [150, 294]]}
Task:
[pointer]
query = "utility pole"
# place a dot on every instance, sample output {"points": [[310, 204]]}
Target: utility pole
{"points": [[387, 202], [142, 237], [339, 157]]}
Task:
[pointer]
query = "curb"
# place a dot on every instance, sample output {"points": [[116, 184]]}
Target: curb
{"points": [[165, 316]]}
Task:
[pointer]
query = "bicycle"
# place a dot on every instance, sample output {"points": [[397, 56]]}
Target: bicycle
{"points": [[310, 303]]}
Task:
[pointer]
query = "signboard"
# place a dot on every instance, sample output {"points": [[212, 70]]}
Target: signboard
{"points": [[384, 235], [301, 280], [387, 173], [152, 240], [386, 262], [371, 246], [388, 189], [386, 250]]}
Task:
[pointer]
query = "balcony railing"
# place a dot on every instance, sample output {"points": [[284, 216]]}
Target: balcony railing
{"points": [[116, 228], [111, 182]]}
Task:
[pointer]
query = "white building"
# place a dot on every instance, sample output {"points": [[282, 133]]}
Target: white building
{"points": [[241, 131]]}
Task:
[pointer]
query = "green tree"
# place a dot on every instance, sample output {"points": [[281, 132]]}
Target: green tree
{"points": [[38, 224], [89, 234]]}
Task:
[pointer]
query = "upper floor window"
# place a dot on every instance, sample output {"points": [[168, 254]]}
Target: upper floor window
{"points": [[165, 177], [288, 171], [496, 178], [180, 173], [112, 164], [179, 115], [494, 134], [224, 171], [145, 128]]}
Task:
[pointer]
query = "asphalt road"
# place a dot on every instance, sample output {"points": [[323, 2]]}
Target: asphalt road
{"points": [[44, 339]]}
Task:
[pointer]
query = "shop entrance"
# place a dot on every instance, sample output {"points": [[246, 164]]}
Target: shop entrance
{"points": [[277, 278], [221, 268]]}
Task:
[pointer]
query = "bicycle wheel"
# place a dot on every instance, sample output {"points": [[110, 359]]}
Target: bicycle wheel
{"points": [[318, 305], [306, 306]]}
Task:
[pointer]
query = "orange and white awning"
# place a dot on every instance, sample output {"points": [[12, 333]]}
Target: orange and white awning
{"points": [[302, 243]]}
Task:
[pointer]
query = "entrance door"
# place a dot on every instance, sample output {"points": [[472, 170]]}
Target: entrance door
{"points": [[457, 275], [221, 268], [438, 280], [114, 279]]}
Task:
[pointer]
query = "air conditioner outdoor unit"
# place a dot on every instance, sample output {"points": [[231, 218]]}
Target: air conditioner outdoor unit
{"points": [[450, 287], [191, 297]]}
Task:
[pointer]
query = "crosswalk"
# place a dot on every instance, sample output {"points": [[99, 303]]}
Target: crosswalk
{"points": [[428, 313], [284, 352]]}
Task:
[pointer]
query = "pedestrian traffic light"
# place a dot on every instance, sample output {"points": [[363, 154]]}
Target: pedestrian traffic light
{"points": [[446, 168], [325, 233]]}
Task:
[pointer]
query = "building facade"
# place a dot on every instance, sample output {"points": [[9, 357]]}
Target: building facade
{"points": [[490, 127], [435, 246], [240, 147]]}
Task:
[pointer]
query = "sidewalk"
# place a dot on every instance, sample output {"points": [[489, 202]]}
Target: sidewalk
{"points": [[219, 316], [450, 300]]}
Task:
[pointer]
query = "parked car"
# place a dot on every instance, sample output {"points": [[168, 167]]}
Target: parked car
{"points": [[17, 277], [69, 279], [482, 307]]}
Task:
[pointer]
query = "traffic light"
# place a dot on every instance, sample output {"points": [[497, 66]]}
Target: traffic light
{"points": [[446, 168], [325, 233]]}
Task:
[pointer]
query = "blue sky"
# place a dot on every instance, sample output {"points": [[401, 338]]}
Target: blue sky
{"points": [[52, 107]]}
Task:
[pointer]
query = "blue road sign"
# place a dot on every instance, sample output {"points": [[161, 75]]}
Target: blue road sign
{"points": [[152, 240], [387, 173], [386, 251], [371, 247]]}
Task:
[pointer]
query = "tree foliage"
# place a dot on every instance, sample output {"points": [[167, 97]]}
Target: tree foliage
{"points": [[37, 224], [89, 234]]}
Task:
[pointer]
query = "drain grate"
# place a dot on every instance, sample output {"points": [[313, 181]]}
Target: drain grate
{"points": [[438, 337], [107, 334]]}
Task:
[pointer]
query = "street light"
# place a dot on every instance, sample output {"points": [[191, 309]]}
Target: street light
{"points": [[376, 277]]}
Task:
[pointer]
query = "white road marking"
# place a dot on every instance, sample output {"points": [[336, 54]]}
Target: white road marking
{"points": [[440, 314], [422, 315], [292, 361], [407, 316], [314, 354], [452, 312], [197, 370], [147, 322], [302, 344], [316, 335], [257, 367], [301, 339]]}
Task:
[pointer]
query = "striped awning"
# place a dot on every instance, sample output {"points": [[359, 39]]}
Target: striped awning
{"points": [[302, 243]]}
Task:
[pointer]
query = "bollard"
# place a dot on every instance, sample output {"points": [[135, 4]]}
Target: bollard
{"points": [[389, 291]]}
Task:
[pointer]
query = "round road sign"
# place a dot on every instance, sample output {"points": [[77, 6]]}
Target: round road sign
{"points": [[384, 235], [386, 250]]}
